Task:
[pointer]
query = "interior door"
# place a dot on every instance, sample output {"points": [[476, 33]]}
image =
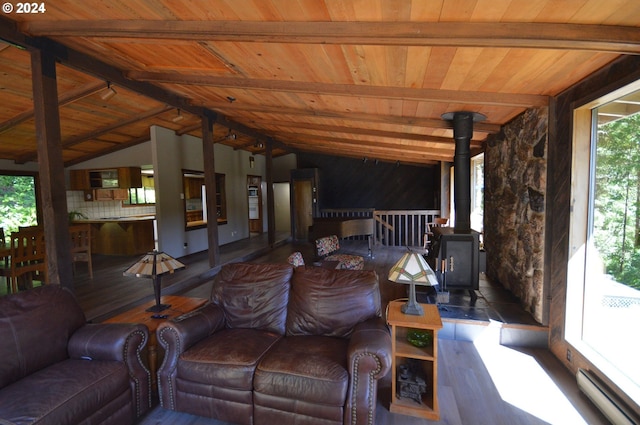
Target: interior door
{"points": [[303, 208]]}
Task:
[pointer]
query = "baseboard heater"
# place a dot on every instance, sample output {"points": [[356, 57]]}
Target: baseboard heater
{"points": [[608, 403]]}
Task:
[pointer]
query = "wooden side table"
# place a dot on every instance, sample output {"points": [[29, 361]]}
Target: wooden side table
{"points": [[179, 305], [418, 395]]}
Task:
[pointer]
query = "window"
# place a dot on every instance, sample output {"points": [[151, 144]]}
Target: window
{"points": [[477, 192], [141, 196], [18, 201], [145, 195], [195, 199], [603, 293]]}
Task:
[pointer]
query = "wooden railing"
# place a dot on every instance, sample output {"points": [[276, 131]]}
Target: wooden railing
{"points": [[392, 227], [402, 227], [353, 212]]}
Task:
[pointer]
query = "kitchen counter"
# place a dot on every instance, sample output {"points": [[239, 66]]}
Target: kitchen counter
{"points": [[115, 219], [121, 235]]}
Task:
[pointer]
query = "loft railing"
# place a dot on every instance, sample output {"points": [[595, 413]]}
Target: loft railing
{"points": [[402, 227], [392, 227], [349, 212]]}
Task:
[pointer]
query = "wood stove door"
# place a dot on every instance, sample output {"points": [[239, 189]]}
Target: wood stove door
{"points": [[458, 261]]}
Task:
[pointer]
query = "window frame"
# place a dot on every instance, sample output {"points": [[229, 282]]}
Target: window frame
{"points": [[580, 240]]}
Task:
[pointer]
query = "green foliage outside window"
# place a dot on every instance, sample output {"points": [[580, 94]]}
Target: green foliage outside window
{"points": [[617, 199], [17, 202]]}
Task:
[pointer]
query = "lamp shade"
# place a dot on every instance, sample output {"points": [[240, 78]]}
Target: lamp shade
{"points": [[154, 264], [412, 268]]}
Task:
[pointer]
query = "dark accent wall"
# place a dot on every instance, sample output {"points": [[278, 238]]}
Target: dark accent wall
{"points": [[354, 183]]}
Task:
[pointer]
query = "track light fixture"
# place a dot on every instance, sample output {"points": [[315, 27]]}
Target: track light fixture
{"points": [[108, 93], [179, 117]]}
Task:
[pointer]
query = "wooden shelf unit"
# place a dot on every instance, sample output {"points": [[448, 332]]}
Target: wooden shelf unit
{"points": [[424, 358]]}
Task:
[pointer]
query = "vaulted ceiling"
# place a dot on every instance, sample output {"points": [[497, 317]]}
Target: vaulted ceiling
{"points": [[359, 78]]}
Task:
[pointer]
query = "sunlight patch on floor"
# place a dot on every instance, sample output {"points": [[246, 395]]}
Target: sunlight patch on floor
{"points": [[523, 383]]}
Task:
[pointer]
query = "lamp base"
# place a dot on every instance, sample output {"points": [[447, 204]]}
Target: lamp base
{"points": [[158, 307], [413, 309]]}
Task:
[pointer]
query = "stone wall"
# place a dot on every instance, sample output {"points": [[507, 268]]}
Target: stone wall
{"points": [[514, 207]]}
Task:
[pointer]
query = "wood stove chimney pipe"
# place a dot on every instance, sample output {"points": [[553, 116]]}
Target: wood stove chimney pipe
{"points": [[462, 134]]}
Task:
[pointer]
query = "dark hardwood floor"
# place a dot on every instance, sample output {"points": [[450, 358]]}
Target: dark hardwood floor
{"points": [[480, 382]]}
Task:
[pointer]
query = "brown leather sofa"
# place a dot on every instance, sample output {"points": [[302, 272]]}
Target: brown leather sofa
{"points": [[57, 369], [278, 346]]}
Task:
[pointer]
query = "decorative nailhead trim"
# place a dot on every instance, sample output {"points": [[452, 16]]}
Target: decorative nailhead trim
{"points": [[141, 362], [172, 397], [371, 383]]}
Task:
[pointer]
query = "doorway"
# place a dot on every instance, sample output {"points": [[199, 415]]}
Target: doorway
{"points": [[282, 201], [302, 208], [304, 201], [254, 200]]}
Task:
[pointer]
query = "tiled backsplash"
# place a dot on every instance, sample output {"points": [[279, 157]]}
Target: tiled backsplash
{"points": [[102, 209]]}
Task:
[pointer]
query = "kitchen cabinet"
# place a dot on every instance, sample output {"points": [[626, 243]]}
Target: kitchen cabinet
{"points": [[106, 195], [193, 187], [129, 177], [113, 178], [195, 215]]}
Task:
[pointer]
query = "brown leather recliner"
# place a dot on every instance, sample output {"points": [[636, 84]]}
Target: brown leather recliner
{"points": [[278, 346], [57, 369]]}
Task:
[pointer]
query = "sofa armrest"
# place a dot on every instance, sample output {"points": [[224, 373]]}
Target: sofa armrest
{"points": [[369, 356], [175, 337], [121, 342]]}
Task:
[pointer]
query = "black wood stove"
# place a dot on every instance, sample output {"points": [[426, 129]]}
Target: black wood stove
{"points": [[454, 253]]}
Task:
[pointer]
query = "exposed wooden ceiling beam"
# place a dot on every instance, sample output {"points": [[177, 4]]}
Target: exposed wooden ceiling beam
{"points": [[367, 147], [64, 99], [402, 93], [603, 38], [92, 66], [481, 127], [104, 130], [362, 131], [418, 159]]}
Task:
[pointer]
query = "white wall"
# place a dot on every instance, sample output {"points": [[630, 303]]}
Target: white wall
{"points": [[166, 148], [134, 156], [234, 164], [7, 165], [169, 154], [282, 202]]}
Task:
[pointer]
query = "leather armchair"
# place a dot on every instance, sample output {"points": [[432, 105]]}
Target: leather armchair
{"points": [[57, 369]]}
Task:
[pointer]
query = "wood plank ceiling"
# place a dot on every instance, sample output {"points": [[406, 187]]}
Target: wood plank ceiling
{"points": [[359, 78]]}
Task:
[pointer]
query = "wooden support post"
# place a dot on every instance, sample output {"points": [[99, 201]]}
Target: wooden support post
{"points": [[210, 185], [271, 215], [53, 198]]}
